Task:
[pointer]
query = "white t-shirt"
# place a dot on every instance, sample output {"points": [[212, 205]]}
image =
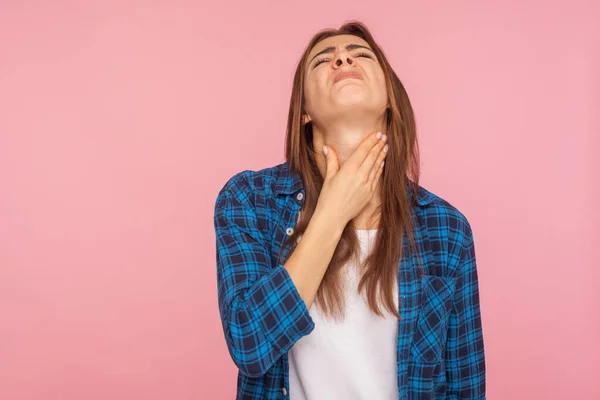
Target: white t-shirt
{"points": [[353, 359]]}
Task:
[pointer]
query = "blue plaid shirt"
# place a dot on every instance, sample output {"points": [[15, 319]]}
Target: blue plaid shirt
{"points": [[440, 348]]}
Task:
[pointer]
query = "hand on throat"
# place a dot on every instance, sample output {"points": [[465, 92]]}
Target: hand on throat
{"points": [[343, 136]]}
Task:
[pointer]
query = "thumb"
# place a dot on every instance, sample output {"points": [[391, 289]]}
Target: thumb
{"points": [[332, 162]]}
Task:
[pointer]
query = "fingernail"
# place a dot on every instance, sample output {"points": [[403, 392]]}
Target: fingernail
{"points": [[384, 138], [325, 150], [382, 163], [378, 135], [385, 148]]}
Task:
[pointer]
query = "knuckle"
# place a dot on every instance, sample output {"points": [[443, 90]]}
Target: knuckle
{"points": [[364, 178]]}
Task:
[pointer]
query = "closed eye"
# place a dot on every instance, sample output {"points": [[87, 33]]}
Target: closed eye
{"points": [[321, 60]]}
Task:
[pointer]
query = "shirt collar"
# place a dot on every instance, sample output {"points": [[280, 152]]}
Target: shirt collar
{"points": [[289, 182]]}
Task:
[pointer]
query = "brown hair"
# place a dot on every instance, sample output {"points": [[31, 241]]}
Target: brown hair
{"points": [[381, 265]]}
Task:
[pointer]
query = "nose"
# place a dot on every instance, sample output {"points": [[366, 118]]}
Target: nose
{"points": [[343, 57]]}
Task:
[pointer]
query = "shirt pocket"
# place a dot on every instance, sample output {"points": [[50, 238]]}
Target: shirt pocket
{"points": [[432, 323]]}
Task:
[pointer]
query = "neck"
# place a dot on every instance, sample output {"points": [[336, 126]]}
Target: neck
{"points": [[344, 136]]}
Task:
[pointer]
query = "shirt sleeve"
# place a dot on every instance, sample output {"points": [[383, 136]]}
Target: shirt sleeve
{"points": [[261, 310], [465, 358]]}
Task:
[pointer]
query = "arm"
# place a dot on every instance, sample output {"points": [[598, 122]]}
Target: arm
{"points": [[309, 261], [262, 312], [465, 358]]}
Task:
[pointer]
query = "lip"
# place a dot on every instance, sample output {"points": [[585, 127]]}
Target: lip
{"points": [[345, 75]]}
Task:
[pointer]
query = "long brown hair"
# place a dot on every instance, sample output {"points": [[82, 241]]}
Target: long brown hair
{"points": [[381, 265]]}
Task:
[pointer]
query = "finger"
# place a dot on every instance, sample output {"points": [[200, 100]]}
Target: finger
{"points": [[378, 173], [377, 164], [369, 161], [332, 164], [362, 151]]}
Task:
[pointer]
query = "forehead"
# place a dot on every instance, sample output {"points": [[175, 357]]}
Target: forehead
{"points": [[337, 41]]}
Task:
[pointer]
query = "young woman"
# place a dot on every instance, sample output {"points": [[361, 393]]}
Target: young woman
{"points": [[338, 276]]}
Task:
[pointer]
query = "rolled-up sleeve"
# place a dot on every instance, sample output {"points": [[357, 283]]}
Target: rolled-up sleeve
{"points": [[465, 356], [261, 310]]}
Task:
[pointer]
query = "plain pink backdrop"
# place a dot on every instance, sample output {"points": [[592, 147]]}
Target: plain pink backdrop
{"points": [[119, 124]]}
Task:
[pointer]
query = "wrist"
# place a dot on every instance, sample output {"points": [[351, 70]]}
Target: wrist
{"points": [[329, 221]]}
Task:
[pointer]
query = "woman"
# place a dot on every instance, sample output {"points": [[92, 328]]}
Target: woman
{"points": [[303, 318]]}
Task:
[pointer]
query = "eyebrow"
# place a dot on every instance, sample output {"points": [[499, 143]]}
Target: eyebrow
{"points": [[331, 49]]}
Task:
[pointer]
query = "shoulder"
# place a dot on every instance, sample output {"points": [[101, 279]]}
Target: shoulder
{"points": [[246, 185], [444, 220]]}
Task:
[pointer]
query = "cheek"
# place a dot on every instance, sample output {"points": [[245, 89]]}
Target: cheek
{"points": [[308, 93], [312, 90], [383, 88], [381, 84]]}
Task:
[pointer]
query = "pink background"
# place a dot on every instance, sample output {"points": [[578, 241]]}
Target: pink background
{"points": [[119, 124]]}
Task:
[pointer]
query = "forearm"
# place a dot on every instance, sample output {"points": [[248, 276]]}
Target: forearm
{"points": [[311, 257]]}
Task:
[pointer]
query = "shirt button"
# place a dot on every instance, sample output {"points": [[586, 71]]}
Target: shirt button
{"points": [[284, 391], [289, 231], [300, 196]]}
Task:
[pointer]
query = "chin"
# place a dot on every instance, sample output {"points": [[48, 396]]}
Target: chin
{"points": [[352, 98], [358, 103]]}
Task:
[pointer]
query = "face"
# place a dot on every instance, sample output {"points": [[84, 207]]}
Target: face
{"points": [[361, 87]]}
